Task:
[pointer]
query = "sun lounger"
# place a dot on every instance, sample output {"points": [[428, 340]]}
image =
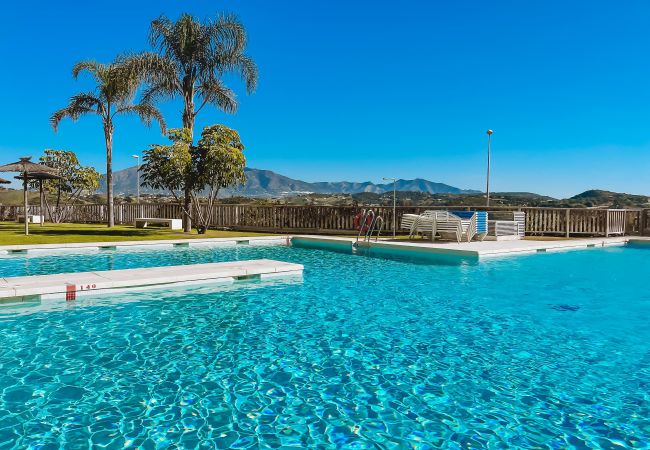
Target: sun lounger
{"points": [[480, 218], [408, 221], [458, 226], [444, 225]]}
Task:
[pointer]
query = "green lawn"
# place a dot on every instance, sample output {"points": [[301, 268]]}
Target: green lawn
{"points": [[11, 233]]}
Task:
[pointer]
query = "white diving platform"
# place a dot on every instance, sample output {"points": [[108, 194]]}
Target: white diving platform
{"points": [[71, 285]]}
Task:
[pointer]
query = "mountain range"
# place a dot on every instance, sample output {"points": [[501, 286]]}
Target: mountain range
{"points": [[266, 183]]}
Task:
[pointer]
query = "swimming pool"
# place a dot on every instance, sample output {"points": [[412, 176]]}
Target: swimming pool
{"points": [[45, 262], [532, 351]]}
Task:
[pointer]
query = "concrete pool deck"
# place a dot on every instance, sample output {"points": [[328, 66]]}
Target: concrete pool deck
{"points": [[71, 285], [25, 248], [474, 249]]}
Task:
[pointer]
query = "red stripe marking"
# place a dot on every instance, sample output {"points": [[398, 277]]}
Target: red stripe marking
{"points": [[70, 292]]}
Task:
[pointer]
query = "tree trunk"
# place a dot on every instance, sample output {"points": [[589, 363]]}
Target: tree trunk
{"points": [[187, 218], [188, 122], [108, 135]]}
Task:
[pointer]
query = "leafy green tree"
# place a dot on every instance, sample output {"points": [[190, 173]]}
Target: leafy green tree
{"points": [[168, 167], [75, 181], [114, 94], [216, 162], [189, 61]]}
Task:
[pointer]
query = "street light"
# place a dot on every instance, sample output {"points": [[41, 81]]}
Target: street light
{"points": [[137, 158], [394, 180], [487, 187]]}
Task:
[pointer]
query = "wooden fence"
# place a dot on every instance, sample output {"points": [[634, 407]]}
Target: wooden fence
{"points": [[339, 219]]}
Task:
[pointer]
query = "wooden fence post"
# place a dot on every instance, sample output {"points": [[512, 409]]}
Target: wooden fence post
{"points": [[568, 222]]}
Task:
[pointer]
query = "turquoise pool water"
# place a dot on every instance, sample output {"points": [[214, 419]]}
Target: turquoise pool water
{"points": [[540, 351], [86, 260]]}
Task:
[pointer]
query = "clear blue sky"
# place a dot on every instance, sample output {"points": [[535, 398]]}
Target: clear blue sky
{"points": [[358, 90]]}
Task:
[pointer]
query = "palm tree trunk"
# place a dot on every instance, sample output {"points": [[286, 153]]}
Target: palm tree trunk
{"points": [[188, 122], [108, 135]]}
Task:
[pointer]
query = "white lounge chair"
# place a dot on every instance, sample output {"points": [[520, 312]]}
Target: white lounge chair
{"points": [[444, 224], [408, 220]]}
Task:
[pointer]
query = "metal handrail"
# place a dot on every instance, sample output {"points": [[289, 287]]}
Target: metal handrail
{"points": [[372, 228], [364, 218], [376, 222]]}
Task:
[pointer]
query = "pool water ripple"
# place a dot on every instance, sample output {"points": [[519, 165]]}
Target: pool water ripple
{"points": [[364, 353]]}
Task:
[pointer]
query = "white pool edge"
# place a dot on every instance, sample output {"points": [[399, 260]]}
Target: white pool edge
{"points": [[193, 242], [74, 284]]}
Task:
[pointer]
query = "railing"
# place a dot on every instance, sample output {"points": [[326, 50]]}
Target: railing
{"points": [[339, 219], [98, 213], [643, 222], [573, 221]]}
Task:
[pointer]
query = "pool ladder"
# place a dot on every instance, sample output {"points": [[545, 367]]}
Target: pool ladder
{"points": [[376, 223]]}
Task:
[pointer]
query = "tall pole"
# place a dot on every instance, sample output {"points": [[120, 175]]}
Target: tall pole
{"points": [[25, 202], [40, 194], [138, 181], [137, 158], [394, 203], [487, 187]]}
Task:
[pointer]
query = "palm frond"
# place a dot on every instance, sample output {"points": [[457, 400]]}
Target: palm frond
{"points": [[228, 34], [191, 58], [80, 104], [92, 67], [160, 31], [152, 94], [152, 68], [147, 114], [247, 70], [120, 86], [213, 91]]}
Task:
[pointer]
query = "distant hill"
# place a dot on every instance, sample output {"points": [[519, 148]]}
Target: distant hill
{"points": [[596, 198], [406, 198], [266, 183], [299, 194]]}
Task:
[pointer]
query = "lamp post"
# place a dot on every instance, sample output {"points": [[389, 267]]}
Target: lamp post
{"points": [[137, 158], [394, 180], [487, 187]]}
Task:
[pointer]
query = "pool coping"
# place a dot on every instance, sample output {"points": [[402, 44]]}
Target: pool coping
{"points": [[472, 249], [477, 249], [6, 249], [71, 285]]}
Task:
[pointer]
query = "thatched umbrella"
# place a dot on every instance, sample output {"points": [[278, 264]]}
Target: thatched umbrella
{"points": [[25, 167], [40, 176], [3, 181]]}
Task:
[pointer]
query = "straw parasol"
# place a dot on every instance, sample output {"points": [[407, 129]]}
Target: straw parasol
{"points": [[40, 176], [25, 167]]}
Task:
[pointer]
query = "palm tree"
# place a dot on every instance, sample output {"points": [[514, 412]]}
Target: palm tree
{"points": [[189, 60], [114, 94]]}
